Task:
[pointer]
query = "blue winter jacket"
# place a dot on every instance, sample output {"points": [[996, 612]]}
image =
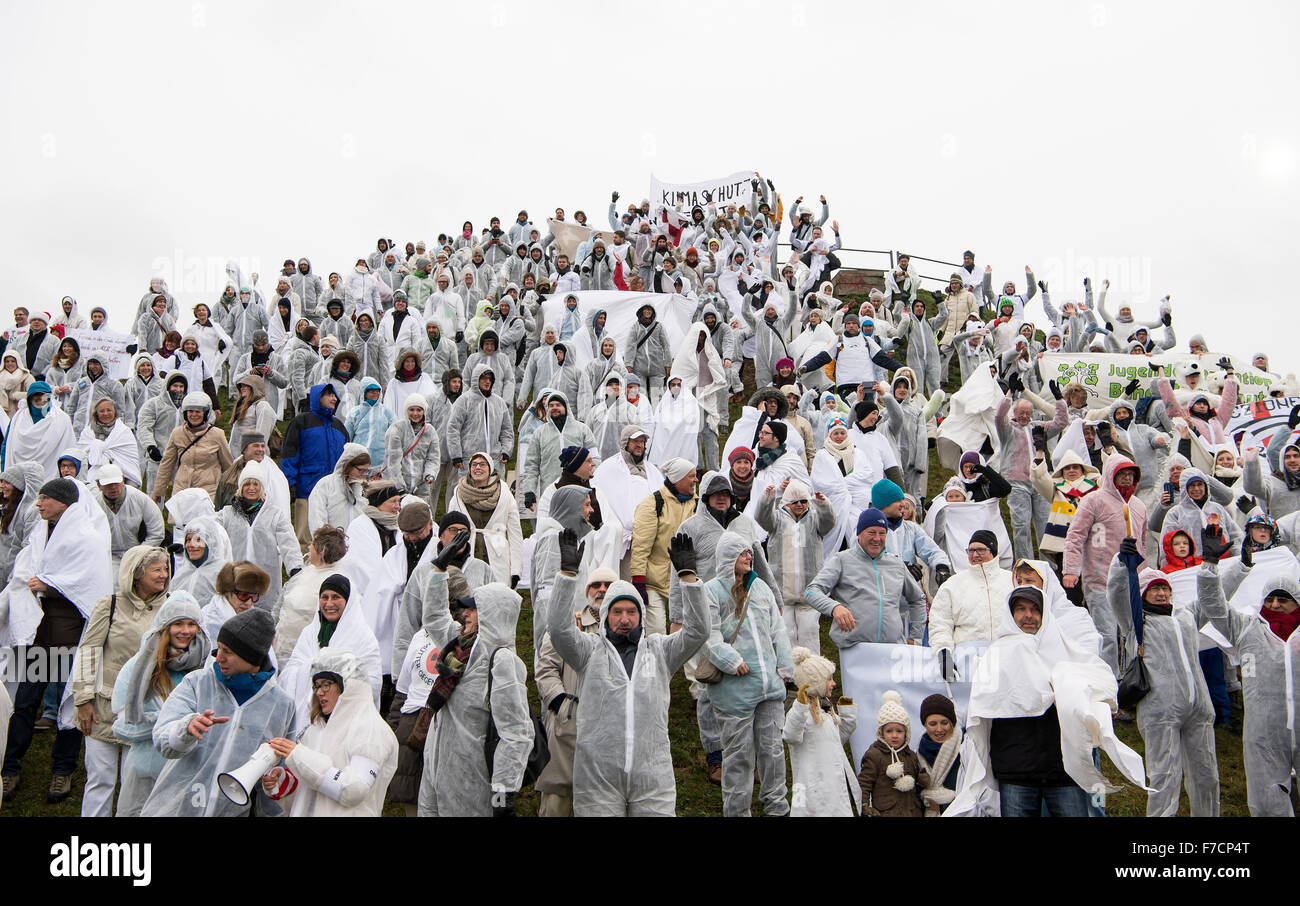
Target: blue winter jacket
{"points": [[312, 445]]}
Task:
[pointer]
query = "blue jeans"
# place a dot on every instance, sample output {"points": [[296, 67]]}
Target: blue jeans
{"points": [[1027, 801]]}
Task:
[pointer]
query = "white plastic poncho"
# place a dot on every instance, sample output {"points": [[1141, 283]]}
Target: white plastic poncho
{"points": [[352, 634], [343, 764], [1022, 675]]}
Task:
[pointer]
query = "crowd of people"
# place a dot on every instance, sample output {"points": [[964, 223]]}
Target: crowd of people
{"points": [[328, 589]]}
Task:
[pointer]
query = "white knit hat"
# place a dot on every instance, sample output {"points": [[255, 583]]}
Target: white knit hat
{"points": [[811, 669], [892, 712]]}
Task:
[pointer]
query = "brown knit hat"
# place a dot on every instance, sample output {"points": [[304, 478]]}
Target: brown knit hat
{"points": [[242, 575]]}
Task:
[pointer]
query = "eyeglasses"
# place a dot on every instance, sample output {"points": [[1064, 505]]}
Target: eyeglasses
{"points": [[247, 595], [321, 684]]}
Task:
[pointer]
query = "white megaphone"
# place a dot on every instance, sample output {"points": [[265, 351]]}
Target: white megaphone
{"points": [[238, 785]]}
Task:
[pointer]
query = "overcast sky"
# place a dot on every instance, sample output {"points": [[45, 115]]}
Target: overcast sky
{"points": [[1152, 143]]}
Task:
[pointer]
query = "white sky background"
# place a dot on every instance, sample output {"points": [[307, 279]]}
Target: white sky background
{"points": [[1154, 143]]}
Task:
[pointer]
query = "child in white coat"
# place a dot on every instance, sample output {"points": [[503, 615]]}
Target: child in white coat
{"points": [[815, 732]]}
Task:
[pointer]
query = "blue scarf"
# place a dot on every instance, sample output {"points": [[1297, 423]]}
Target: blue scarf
{"points": [[242, 686]]}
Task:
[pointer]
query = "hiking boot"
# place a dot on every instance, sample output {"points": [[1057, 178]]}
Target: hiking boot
{"points": [[60, 788], [46, 723], [10, 786], [714, 772]]}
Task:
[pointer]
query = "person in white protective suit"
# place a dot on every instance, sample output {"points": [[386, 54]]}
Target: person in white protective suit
{"points": [[341, 766], [175, 646], [214, 721], [1176, 718], [1040, 703], [260, 532], [481, 682], [206, 549], [748, 643], [339, 623], [1269, 749], [623, 762]]}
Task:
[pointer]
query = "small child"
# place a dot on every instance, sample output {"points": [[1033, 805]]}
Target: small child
{"points": [[891, 773], [816, 732], [939, 751]]}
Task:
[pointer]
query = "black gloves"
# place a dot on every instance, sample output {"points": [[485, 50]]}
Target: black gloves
{"points": [[503, 805], [1038, 434], [449, 552], [1245, 504], [1129, 547], [1131, 386], [529, 499], [154, 453], [1167, 319], [1015, 383], [570, 551], [558, 702], [1214, 544], [942, 574], [613, 198], [681, 551], [1056, 391]]}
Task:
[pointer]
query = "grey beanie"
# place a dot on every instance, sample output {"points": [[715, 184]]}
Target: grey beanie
{"points": [[249, 635]]}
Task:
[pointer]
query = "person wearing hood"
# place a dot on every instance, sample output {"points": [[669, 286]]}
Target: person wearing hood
{"points": [[339, 623], [205, 549], [132, 517], [797, 522], [368, 344], [112, 635], [15, 380], [253, 414], [94, 385], [196, 452], [313, 443], [966, 607], [1102, 520], [38, 432], [749, 700], [19, 486], [154, 424], [1194, 511], [541, 367], [174, 646], [623, 762], [646, 345], [609, 417], [1175, 718], [260, 532], [1269, 691], [63, 373], [477, 660], [215, 720], [866, 590], [480, 420], [490, 353], [561, 430], [144, 385], [1279, 496], [345, 729], [272, 367]]}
